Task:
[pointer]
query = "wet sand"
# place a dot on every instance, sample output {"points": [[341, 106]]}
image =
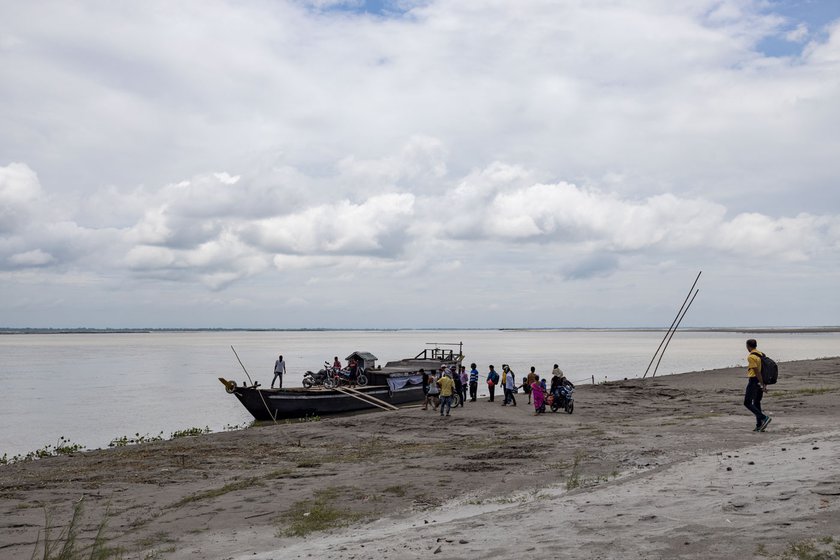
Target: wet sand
{"points": [[663, 468]]}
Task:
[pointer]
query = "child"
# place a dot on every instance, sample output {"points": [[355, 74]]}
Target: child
{"points": [[526, 387]]}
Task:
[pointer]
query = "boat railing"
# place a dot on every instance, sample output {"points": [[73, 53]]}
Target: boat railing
{"points": [[443, 354]]}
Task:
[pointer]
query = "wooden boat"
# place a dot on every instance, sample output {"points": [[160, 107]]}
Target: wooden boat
{"points": [[397, 383]]}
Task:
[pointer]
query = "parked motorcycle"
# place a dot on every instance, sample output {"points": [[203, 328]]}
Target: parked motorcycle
{"points": [[338, 377], [312, 379]]}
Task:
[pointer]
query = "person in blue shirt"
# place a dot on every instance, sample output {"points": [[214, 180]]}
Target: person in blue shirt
{"points": [[473, 383]]}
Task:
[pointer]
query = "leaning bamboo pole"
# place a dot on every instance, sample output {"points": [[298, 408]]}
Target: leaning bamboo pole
{"points": [[668, 332]]}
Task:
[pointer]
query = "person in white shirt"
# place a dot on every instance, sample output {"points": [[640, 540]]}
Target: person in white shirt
{"points": [[279, 371]]}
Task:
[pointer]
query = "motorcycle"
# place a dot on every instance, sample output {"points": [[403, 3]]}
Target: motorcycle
{"points": [[338, 377], [311, 379], [563, 398]]}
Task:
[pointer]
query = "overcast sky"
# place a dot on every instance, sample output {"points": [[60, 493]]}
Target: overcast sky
{"points": [[419, 164]]}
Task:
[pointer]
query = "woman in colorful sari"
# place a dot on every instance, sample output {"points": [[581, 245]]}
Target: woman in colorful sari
{"points": [[538, 393]]}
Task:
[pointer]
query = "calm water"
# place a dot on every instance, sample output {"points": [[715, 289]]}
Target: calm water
{"points": [[92, 388]]}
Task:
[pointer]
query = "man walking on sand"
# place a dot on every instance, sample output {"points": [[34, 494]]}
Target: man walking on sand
{"points": [[279, 371], [755, 386]]}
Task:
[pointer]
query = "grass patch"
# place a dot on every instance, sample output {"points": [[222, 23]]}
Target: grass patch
{"points": [[62, 447], [190, 432], [64, 545], [279, 473], [315, 515], [397, 490], [216, 492], [826, 548], [574, 481]]}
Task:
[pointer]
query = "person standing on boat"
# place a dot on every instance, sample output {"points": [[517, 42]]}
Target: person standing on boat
{"points": [[279, 371], [473, 382], [336, 363], [354, 371]]}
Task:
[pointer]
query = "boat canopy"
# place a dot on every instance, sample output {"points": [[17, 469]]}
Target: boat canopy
{"points": [[365, 359]]}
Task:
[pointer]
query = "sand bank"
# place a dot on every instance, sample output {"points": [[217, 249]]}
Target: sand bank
{"points": [[659, 468]]}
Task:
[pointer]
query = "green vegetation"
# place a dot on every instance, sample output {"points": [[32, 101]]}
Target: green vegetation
{"points": [[190, 432], [826, 548], [317, 514], [65, 447], [397, 490], [137, 439], [62, 447], [64, 546], [216, 492], [574, 480]]}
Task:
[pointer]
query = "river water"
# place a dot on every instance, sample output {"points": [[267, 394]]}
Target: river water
{"points": [[92, 388]]}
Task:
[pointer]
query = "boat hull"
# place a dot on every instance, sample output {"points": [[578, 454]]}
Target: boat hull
{"points": [[269, 404]]}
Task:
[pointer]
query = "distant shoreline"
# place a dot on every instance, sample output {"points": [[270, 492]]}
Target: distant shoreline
{"points": [[743, 330]]}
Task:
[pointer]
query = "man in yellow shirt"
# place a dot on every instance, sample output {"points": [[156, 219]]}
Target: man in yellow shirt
{"points": [[447, 389], [755, 386]]}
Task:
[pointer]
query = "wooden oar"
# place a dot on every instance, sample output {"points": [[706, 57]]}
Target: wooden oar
{"points": [[273, 417]]}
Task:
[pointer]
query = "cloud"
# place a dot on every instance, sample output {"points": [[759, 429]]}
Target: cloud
{"points": [[374, 227], [33, 258], [798, 34], [19, 189], [431, 140]]}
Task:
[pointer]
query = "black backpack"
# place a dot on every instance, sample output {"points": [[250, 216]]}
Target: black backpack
{"points": [[769, 369]]}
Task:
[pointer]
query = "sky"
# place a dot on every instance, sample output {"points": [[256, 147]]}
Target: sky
{"points": [[419, 164]]}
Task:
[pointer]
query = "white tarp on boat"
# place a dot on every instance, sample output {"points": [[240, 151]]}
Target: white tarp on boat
{"points": [[397, 383]]}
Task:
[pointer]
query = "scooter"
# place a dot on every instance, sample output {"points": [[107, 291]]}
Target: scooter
{"points": [[563, 398]]}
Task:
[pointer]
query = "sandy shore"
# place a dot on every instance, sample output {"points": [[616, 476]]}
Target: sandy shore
{"points": [[664, 468]]}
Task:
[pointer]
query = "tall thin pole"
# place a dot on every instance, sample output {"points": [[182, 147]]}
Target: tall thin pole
{"points": [[668, 332], [672, 333], [262, 398]]}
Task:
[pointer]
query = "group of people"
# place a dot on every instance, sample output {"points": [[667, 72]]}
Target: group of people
{"points": [[447, 388]]}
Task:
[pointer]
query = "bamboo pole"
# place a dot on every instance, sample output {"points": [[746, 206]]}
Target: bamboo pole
{"points": [[672, 333], [668, 332], [262, 398]]}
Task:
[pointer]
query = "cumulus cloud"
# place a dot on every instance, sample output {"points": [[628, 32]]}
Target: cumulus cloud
{"points": [[431, 137], [19, 189], [374, 227]]}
